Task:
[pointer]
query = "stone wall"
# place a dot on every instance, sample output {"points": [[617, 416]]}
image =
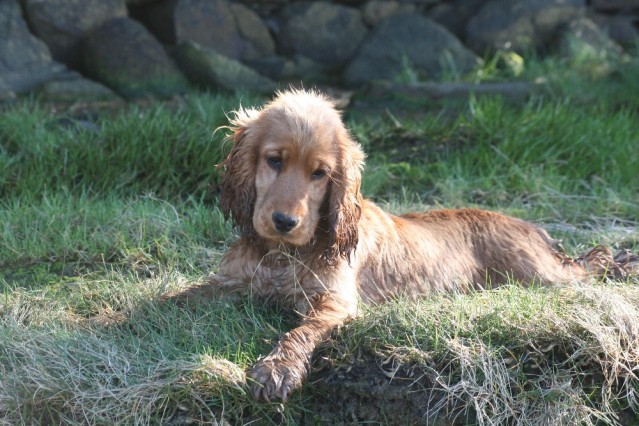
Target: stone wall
{"points": [[97, 49]]}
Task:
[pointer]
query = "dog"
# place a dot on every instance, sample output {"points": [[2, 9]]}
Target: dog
{"points": [[309, 240]]}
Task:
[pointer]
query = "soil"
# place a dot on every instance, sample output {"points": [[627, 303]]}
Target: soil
{"points": [[366, 392]]}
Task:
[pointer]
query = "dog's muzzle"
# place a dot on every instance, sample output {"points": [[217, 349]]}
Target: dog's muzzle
{"points": [[284, 223]]}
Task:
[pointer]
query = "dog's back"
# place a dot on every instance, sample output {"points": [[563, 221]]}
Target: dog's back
{"points": [[454, 250]]}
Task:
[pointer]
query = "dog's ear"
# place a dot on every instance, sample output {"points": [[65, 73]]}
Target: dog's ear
{"points": [[345, 198], [237, 199]]}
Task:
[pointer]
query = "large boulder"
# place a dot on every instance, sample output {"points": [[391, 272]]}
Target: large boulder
{"points": [[25, 61], [132, 3], [6, 94], [294, 69], [258, 40], [324, 32], [455, 14], [621, 28], [408, 40], [375, 11], [520, 25], [73, 89], [62, 24], [209, 69], [584, 39], [123, 55], [232, 30]]}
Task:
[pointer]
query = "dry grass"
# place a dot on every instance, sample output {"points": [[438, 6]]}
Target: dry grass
{"points": [[146, 363]]}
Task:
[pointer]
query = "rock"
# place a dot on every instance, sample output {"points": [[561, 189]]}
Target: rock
{"points": [[26, 65], [620, 28], [324, 32], [519, 25], [74, 89], [517, 91], [264, 8], [6, 94], [208, 68], [408, 40], [25, 61], [614, 5], [375, 11], [62, 24], [583, 38], [259, 44], [210, 23], [123, 55], [298, 67], [454, 15], [140, 2]]}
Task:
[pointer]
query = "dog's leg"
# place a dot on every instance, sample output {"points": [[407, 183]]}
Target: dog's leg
{"points": [[233, 280], [216, 287], [285, 368]]}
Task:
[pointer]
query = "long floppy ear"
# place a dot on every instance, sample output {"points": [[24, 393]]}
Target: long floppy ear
{"points": [[237, 198], [345, 199]]}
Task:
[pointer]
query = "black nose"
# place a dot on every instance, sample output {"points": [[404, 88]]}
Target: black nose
{"points": [[284, 223]]}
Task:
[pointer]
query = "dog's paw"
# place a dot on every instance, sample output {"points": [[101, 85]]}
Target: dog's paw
{"points": [[274, 379]]}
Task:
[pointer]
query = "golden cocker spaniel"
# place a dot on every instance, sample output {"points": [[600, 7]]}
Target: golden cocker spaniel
{"points": [[309, 240]]}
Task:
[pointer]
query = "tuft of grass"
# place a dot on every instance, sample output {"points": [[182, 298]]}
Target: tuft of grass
{"points": [[133, 360]]}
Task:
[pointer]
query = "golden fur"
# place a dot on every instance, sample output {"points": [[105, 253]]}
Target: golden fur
{"points": [[310, 241]]}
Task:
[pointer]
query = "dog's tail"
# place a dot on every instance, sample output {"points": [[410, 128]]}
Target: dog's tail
{"points": [[600, 263]]}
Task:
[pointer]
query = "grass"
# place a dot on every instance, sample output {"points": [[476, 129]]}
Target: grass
{"points": [[546, 147], [77, 230], [101, 213]]}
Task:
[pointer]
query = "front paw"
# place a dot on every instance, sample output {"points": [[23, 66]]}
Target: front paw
{"points": [[275, 378]]}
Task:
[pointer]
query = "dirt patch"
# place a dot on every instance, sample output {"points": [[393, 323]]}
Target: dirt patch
{"points": [[367, 392]]}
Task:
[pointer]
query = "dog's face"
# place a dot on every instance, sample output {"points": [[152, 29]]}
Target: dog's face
{"points": [[293, 164], [292, 179]]}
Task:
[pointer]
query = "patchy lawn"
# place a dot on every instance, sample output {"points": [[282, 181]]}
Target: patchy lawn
{"points": [[102, 213]]}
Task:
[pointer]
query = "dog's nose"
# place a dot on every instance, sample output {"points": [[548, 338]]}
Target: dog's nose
{"points": [[283, 222]]}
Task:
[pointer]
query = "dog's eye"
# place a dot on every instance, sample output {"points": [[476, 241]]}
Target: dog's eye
{"points": [[274, 162], [318, 174]]}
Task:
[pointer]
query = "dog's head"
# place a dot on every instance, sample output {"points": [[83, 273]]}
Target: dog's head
{"points": [[293, 174]]}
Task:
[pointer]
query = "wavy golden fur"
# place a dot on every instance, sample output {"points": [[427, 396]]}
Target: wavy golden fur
{"points": [[310, 241]]}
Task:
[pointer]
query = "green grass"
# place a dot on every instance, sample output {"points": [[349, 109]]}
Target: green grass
{"points": [[103, 212], [145, 232], [169, 150], [539, 161]]}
